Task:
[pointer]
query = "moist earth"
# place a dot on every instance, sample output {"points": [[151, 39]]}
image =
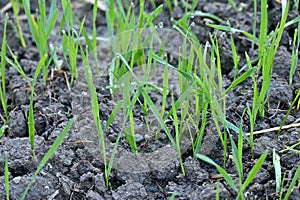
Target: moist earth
{"points": [[76, 170]]}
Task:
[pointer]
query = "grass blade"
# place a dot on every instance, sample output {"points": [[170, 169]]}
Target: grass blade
{"points": [[6, 177], [113, 114], [95, 110], [222, 171], [295, 53], [31, 129], [16, 65], [255, 169], [49, 153], [292, 184], [263, 27], [200, 134], [177, 135], [234, 30], [16, 8], [3, 64], [289, 111], [236, 159], [53, 13], [158, 117], [240, 79]]}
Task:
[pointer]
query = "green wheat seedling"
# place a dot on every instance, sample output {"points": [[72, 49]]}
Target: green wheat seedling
{"points": [[95, 110], [218, 190], [237, 155], [70, 41], [143, 88], [250, 111], [16, 65], [108, 164], [292, 148], [3, 65], [295, 101], [41, 28], [192, 97], [49, 153], [266, 52], [235, 30], [254, 21], [16, 8], [192, 85], [128, 40], [235, 57], [191, 108], [291, 187], [130, 81], [93, 44], [186, 77], [178, 133], [169, 6], [31, 127], [189, 6], [295, 53], [69, 46], [6, 177], [184, 24], [194, 103], [210, 81], [129, 131], [113, 15], [121, 43], [267, 47], [282, 185]]}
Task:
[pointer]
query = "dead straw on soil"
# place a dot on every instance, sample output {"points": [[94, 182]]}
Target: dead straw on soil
{"points": [[275, 129]]}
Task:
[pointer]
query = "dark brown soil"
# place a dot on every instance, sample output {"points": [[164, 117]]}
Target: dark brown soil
{"points": [[76, 170]]}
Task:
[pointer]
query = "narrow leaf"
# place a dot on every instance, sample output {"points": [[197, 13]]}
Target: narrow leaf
{"points": [[255, 169], [49, 153], [222, 171]]}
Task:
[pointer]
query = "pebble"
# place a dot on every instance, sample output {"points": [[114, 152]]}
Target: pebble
{"points": [[139, 138], [17, 179]]}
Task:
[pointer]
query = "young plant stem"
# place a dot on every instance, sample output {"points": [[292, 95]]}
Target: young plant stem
{"points": [[95, 110], [16, 9], [3, 66]]}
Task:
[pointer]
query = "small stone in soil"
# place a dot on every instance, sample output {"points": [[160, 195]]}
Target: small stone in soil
{"points": [[139, 138]]}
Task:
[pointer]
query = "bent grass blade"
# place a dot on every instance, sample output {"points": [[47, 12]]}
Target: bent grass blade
{"points": [[222, 171], [229, 180], [2, 129]]}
